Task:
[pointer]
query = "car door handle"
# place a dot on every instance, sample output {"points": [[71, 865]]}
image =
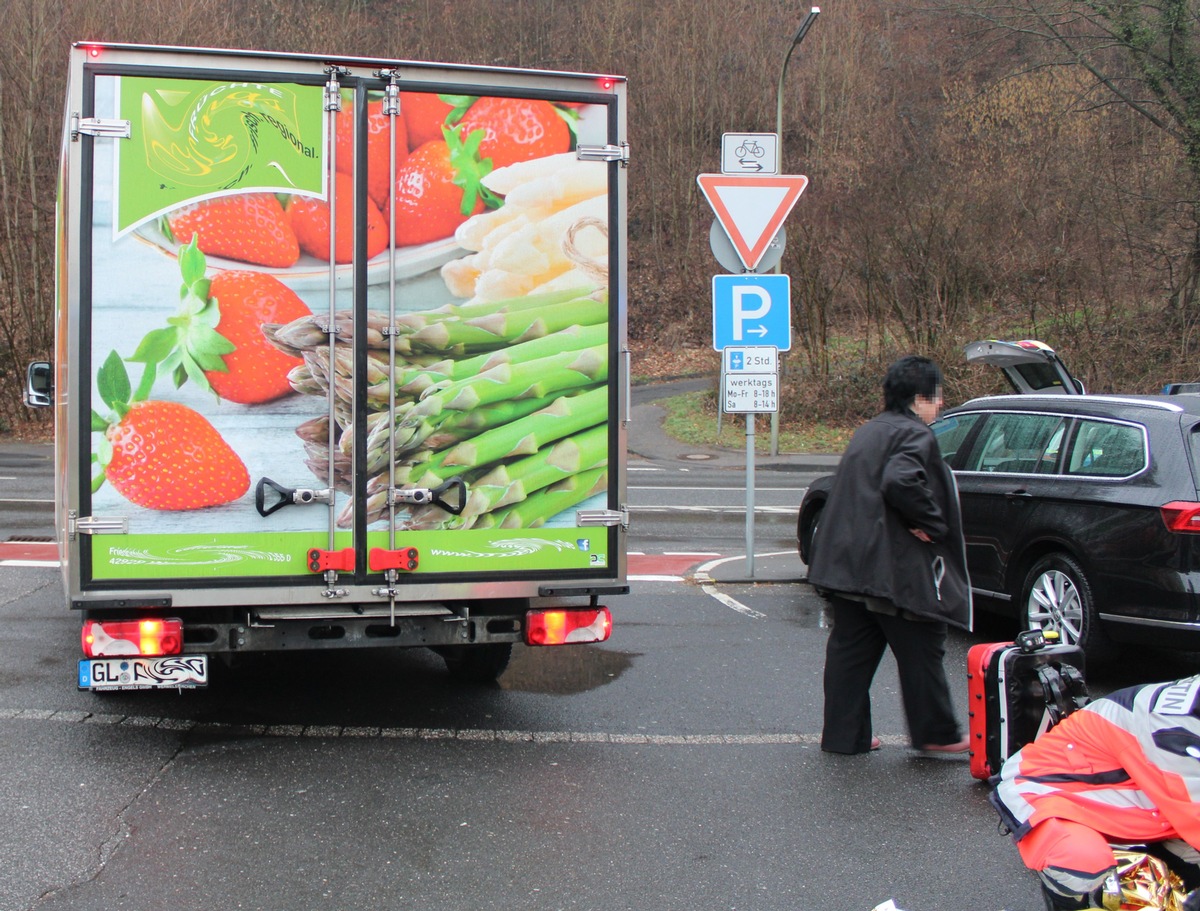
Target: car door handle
{"points": [[1019, 494]]}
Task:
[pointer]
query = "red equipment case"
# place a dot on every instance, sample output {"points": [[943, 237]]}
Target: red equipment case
{"points": [[1017, 690]]}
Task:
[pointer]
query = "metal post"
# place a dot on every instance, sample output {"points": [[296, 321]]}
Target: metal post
{"points": [[750, 495], [796, 39]]}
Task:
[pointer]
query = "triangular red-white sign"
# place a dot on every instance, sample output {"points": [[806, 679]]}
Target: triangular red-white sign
{"points": [[751, 209]]}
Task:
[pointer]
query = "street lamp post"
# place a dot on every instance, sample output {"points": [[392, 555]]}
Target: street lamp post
{"points": [[796, 39]]}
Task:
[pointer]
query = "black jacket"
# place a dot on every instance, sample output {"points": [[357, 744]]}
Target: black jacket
{"points": [[892, 478]]}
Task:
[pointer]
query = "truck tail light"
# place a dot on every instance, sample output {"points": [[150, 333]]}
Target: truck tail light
{"points": [[107, 638], [1182, 516], [567, 626]]}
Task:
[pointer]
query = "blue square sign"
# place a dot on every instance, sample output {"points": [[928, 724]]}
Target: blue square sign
{"points": [[752, 310]]}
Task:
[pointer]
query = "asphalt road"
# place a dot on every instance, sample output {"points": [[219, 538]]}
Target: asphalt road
{"points": [[675, 766]]}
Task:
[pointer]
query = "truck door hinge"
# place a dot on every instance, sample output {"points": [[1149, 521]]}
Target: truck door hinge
{"points": [[590, 517], [619, 153], [333, 91], [96, 126], [95, 525]]}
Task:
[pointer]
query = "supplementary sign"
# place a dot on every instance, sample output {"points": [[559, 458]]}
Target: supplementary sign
{"points": [[751, 209], [752, 310], [750, 153], [754, 359], [750, 393]]}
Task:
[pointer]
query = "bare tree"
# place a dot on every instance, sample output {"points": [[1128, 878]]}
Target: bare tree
{"points": [[1145, 57]]}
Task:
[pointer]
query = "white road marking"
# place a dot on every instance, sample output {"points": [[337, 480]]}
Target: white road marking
{"points": [[741, 489], [769, 510], [706, 585], [732, 603], [473, 734]]}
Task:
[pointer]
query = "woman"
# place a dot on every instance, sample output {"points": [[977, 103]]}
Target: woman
{"points": [[891, 560]]}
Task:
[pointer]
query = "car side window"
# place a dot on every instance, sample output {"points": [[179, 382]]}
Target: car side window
{"points": [[1107, 450], [1018, 443], [952, 432]]}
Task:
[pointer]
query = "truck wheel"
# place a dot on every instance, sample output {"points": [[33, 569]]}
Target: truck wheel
{"points": [[1057, 596], [476, 663]]}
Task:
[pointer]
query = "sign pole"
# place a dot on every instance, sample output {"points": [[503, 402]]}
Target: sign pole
{"points": [[750, 495], [752, 320]]}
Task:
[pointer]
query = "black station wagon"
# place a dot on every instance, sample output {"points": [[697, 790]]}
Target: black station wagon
{"points": [[1081, 512]]}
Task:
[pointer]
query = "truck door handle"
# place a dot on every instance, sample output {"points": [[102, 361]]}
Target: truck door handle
{"points": [[301, 496], [423, 496]]}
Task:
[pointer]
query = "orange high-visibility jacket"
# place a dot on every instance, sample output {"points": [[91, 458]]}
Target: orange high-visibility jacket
{"points": [[1126, 765]]}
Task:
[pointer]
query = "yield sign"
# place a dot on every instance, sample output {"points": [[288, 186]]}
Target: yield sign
{"points": [[751, 209]]}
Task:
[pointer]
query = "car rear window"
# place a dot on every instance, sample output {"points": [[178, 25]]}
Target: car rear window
{"points": [[1107, 450]]}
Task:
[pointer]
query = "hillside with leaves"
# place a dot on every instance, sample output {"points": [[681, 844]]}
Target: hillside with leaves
{"points": [[975, 171]]}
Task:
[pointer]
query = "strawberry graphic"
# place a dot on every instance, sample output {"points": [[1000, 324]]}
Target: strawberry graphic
{"points": [[425, 113], [378, 165], [250, 228], [216, 338], [161, 455], [438, 189], [517, 129], [310, 221]]}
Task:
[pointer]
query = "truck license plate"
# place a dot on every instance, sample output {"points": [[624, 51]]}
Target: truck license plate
{"points": [[175, 671]]}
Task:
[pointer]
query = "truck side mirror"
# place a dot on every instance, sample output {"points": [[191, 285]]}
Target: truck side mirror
{"points": [[39, 385]]}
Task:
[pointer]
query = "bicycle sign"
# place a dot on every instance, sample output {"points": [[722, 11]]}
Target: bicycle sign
{"points": [[750, 153], [749, 149]]}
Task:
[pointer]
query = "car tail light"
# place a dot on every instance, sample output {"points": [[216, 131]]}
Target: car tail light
{"points": [[563, 626], [1182, 516], [106, 638]]}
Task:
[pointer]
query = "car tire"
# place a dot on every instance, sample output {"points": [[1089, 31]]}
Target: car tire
{"points": [[476, 663], [806, 530], [1057, 596]]}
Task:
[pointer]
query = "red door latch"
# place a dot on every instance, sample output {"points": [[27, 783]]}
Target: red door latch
{"points": [[321, 560], [405, 558]]}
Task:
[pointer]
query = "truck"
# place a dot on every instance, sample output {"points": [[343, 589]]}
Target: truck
{"points": [[340, 359]]}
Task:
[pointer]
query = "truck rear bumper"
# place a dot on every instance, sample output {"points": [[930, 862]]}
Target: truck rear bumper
{"points": [[277, 632]]}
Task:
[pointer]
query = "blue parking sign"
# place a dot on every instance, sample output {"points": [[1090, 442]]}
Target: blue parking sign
{"points": [[752, 309]]}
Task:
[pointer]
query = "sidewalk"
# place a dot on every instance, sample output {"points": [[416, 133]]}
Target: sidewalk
{"points": [[648, 440], [770, 568]]}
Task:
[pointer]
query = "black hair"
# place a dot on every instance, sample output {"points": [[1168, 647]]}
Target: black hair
{"points": [[907, 378]]}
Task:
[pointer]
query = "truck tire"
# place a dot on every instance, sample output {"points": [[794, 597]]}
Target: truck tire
{"points": [[476, 663]]}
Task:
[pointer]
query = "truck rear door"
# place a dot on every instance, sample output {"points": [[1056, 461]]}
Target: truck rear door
{"points": [[347, 329]]}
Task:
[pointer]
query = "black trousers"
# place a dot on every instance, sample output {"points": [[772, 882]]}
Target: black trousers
{"points": [[855, 648]]}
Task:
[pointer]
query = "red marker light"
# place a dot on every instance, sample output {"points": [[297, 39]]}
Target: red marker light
{"points": [[107, 638], [563, 626], [92, 50], [607, 82]]}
